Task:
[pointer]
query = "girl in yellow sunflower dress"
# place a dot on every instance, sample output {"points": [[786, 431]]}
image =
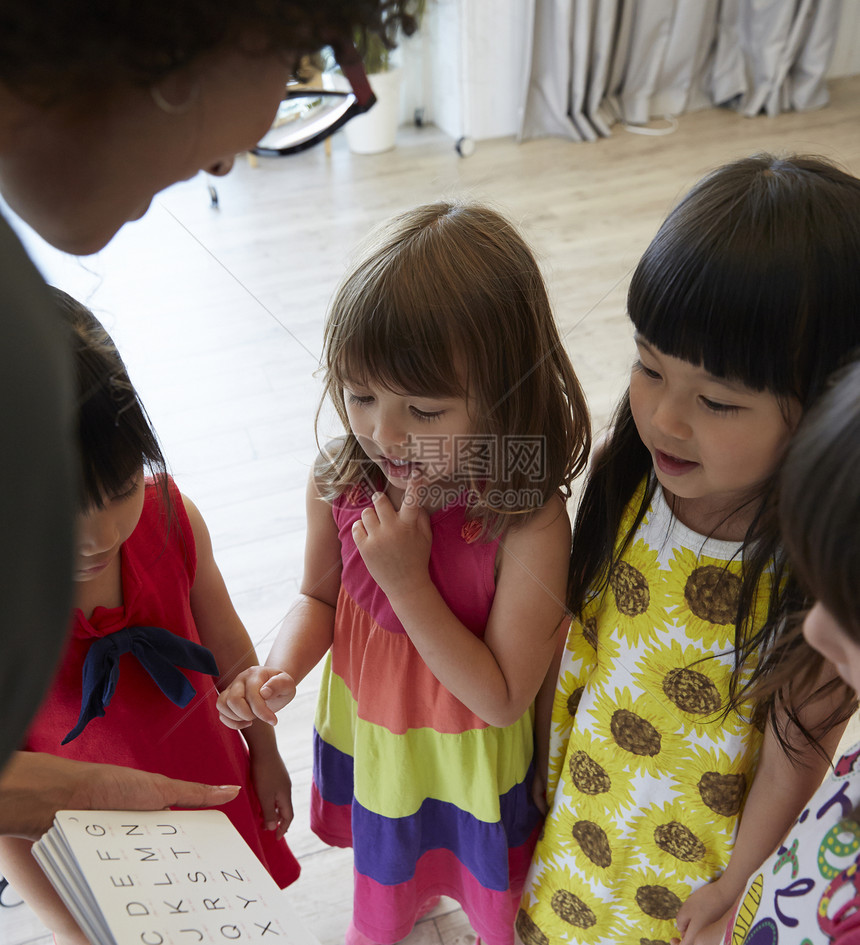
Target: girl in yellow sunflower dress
{"points": [[678, 579]]}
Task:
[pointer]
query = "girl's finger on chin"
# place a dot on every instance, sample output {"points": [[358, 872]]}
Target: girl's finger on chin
{"points": [[412, 497], [382, 507]]}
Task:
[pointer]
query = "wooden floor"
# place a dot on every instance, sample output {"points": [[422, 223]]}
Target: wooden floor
{"points": [[219, 314]]}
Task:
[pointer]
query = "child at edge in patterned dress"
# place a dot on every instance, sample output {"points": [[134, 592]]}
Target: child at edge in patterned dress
{"points": [[744, 303], [810, 888], [435, 569], [153, 624]]}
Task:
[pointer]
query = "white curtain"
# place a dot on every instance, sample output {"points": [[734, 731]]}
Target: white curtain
{"points": [[597, 62]]}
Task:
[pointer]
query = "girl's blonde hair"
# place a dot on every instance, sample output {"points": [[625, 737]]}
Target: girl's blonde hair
{"points": [[447, 300]]}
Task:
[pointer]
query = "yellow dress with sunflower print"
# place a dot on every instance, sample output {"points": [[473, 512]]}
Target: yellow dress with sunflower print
{"points": [[648, 773]]}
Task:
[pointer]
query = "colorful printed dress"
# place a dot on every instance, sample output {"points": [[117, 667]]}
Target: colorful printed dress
{"points": [[141, 727], [647, 773], [432, 799], [809, 892]]}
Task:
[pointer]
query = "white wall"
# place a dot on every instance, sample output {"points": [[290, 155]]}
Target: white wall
{"points": [[470, 70], [846, 55]]}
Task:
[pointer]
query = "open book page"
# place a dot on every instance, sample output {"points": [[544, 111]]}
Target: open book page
{"points": [[165, 878]]}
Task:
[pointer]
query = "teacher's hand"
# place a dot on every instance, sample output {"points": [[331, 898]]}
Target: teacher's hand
{"points": [[34, 786]]}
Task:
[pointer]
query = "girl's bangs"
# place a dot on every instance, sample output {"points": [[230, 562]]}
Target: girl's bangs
{"points": [[116, 442], [721, 310], [101, 483], [407, 354]]}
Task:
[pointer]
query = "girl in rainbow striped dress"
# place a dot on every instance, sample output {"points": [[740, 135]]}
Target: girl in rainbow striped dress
{"points": [[435, 569]]}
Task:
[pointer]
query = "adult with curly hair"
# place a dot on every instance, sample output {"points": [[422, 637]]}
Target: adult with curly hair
{"points": [[103, 103]]}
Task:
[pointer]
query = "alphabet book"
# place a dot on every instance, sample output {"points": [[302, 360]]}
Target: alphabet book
{"points": [[165, 878]]}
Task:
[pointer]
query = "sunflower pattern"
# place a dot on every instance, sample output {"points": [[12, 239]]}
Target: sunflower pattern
{"points": [[715, 780], [703, 596], [583, 645], [692, 694], [651, 902], [580, 663], [636, 732], [651, 770], [679, 843], [638, 603], [577, 913], [565, 704], [595, 780], [590, 844]]}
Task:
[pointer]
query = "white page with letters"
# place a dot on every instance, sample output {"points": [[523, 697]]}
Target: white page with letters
{"points": [[165, 878]]}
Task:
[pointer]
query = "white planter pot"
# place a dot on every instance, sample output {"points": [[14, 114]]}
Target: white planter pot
{"points": [[374, 131]]}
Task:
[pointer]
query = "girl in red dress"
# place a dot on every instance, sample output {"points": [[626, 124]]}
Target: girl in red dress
{"points": [[153, 637]]}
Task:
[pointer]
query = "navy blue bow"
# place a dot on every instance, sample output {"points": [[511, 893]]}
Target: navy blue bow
{"points": [[158, 651]]}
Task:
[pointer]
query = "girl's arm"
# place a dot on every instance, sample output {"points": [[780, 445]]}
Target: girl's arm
{"points": [[543, 720], [222, 631], [779, 791], [498, 676], [305, 633]]}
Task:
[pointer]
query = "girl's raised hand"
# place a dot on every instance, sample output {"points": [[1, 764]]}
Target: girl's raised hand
{"points": [[395, 545], [256, 693]]}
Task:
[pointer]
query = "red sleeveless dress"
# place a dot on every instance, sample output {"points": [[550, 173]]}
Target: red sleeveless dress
{"points": [[142, 728]]}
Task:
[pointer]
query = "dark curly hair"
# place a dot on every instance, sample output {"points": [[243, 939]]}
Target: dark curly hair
{"points": [[51, 48]]}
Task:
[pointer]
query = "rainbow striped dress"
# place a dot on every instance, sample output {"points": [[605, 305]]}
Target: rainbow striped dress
{"points": [[432, 800]]}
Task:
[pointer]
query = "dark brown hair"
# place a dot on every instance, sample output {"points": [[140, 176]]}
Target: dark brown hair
{"points": [[819, 506], [115, 435], [448, 300], [52, 48], [819, 512]]}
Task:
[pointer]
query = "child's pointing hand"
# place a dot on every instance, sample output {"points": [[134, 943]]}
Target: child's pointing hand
{"points": [[256, 693], [395, 545]]}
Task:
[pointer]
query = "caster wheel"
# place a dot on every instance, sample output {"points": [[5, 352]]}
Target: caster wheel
{"points": [[465, 146]]}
